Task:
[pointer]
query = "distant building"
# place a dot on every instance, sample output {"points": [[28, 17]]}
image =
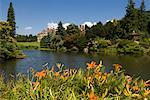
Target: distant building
{"points": [[45, 33], [82, 29], [41, 35], [52, 30]]}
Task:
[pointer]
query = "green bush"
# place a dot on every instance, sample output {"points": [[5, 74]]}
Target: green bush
{"points": [[8, 46], [129, 47], [100, 44], [81, 43], [52, 41]]}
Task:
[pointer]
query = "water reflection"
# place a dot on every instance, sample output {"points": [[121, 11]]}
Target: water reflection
{"points": [[138, 66]]}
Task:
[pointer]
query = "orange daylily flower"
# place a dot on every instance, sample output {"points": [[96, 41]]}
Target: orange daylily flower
{"points": [[91, 65], [40, 74], [56, 74], [128, 86], [99, 74], [117, 67], [135, 88], [92, 96]]}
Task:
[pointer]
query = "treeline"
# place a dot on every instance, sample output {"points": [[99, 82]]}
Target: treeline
{"points": [[135, 22], [26, 38]]}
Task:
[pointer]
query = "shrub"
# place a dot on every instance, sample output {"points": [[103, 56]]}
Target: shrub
{"points": [[129, 47]]}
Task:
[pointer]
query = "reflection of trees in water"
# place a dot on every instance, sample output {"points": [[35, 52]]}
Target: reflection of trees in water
{"points": [[8, 68], [138, 66]]}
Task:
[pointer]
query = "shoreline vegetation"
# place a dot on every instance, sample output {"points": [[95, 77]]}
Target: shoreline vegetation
{"points": [[92, 83], [142, 48]]}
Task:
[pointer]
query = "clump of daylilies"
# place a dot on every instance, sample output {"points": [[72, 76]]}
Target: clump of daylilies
{"points": [[92, 83]]}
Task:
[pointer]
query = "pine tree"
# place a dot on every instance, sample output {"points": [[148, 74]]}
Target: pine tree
{"points": [[11, 19], [130, 7], [142, 7], [60, 30], [130, 21]]}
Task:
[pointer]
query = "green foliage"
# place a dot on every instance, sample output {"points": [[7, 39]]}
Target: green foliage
{"points": [[142, 6], [81, 43], [11, 19], [135, 19], [129, 47], [26, 38], [101, 43], [8, 46], [96, 30], [60, 30], [73, 33], [52, 41], [44, 43], [71, 84], [73, 29]]}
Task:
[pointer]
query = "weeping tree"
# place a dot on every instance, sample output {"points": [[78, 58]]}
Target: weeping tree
{"points": [[11, 19]]}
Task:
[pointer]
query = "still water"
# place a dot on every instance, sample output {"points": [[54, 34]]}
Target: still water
{"points": [[136, 66]]}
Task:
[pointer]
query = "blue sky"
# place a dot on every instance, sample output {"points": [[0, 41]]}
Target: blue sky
{"points": [[32, 16]]}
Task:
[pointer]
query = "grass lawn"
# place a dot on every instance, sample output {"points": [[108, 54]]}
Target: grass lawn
{"points": [[28, 45], [31, 45]]}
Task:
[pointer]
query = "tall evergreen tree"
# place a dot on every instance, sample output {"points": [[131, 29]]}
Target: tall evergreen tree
{"points": [[60, 30], [130, 7], [142, 20], [11, 19], [142, 7], [97, 30], [130, 21]]}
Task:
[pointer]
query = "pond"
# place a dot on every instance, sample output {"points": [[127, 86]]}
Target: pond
{"points": [[136, 66]]}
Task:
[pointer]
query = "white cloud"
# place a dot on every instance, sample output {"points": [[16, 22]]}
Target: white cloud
{"points": [[89, 24], [52, 25], [55, 25], [65, 25], [28, 28]]}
